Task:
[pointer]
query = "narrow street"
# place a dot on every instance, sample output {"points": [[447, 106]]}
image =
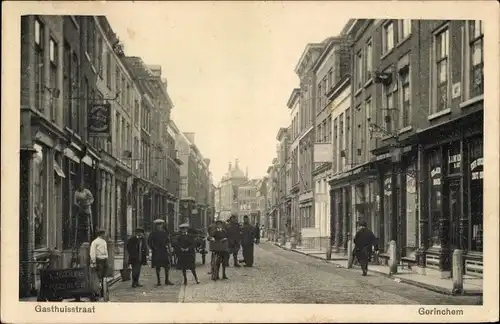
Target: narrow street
{"points": [[280, 276]]}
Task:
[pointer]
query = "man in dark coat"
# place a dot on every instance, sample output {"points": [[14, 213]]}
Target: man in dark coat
{"points": [[247, 241], [186, 253], [234, 239], [219, 235], [159, 242], [363, 242], [137, 255]]}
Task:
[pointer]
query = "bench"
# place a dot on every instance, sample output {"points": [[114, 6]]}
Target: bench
{"points": [[408, 262], [384, 257]]}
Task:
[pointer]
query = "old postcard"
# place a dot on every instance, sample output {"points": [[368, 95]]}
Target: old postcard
{"points": [[250, 161]]}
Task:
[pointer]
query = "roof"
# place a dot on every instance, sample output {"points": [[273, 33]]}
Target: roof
{"points": [[293, 98], [282, 131], [307, 51]]}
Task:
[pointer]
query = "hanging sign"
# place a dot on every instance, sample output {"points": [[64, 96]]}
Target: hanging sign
{"points": [[476, 175], [99, 119]]}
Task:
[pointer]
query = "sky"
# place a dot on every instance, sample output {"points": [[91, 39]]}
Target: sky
{"points": [[230, 68]]}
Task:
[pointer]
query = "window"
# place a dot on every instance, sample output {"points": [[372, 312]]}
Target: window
{"points": [[366, 132], [404, 29], [98, 56], [90, 38], [318, 134], [75, 93], [441, 70], [325, 131], [388, 108], [117, 134], [359, 70], [388, 38], [67, 85], [39, 192], [404, 77], [330, 79], [369, 59], [53, 78], [341, 131], [347, 131], [435, 196], [329, 123], [109, 68], [117, 82], [136, 113], [123, 94], [39, 65], [476, 193], [476, 44]]}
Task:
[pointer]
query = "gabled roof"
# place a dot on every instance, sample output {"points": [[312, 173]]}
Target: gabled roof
{"points": [[310, 48]]}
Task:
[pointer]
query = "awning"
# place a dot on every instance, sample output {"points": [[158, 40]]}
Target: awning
{"points": [[59, 170]]}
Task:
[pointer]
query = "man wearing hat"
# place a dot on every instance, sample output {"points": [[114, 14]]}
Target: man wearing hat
{"points": [[234, 239], [99, 255], [363, 242], [219, 235], [159, 243], [137, 255], [247, 241]]}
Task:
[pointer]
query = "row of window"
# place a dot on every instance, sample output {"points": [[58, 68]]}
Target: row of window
{"points": [[324, 131]]}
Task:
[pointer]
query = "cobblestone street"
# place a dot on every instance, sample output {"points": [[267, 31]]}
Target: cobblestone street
{"points": [[280, 276]]}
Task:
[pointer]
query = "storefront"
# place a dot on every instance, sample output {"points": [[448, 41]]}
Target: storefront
{"points": [[453, 182]]}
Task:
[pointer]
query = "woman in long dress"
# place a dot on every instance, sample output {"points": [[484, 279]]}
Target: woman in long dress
{"points": [[159, 242], [186, 255]]}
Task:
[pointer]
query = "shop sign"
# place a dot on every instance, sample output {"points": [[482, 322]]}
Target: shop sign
{"points": [[476, 175], [454, 161], [99, 120], [436, 176]]}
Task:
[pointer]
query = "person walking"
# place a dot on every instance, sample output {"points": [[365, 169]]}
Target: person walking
{"points": [[234, 239], [159, 243], [137, 255], [247, 241], [218, 236], [186, 257], [99, 257], [363, 242]]}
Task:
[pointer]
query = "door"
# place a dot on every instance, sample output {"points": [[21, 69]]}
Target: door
{"points": [[454, 206]]}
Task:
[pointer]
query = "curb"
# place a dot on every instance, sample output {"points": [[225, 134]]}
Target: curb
{"points": [[430, 287]]}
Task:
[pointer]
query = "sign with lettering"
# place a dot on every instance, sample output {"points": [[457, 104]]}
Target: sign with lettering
{"points": [[99, 119], [477, 164], [454, 163], [436, 176], [64, 283]]}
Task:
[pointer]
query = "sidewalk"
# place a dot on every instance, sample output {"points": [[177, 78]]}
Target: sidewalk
{"points": [[473, 286]]}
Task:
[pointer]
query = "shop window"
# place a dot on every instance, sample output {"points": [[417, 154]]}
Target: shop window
{"points": [[476, 195], [39, 197], [411, 208], [435, 195]]}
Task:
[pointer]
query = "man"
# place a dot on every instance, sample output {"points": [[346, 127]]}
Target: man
{"points": [[99, 256], [84, 201], [234, 238], [363, 242], [137, 255], [219, 235], [247, 241], [159, 243]]}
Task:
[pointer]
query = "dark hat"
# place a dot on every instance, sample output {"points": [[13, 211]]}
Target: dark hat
{"points": [[219, 221], [362, 223], [139, 230], [246, 216]]}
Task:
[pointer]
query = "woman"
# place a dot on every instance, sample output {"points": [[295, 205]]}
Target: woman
{"points": [[186, 255], [159, 242]]}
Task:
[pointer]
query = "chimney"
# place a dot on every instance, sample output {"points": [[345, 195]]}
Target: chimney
{"points": [[236, 164]]}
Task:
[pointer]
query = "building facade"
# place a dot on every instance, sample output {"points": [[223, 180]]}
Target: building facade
{"points": [[229, 184], [284, 199], [425, 123], [304, 70]]}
